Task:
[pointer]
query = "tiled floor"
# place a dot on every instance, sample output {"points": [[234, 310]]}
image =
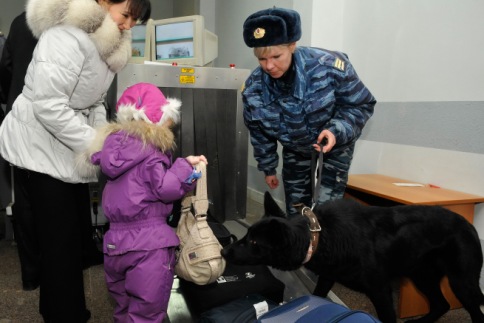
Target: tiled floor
{"points": [[18, 306]]}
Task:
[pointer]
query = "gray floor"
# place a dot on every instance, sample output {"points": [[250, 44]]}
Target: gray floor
{"points": [[18, 306]]}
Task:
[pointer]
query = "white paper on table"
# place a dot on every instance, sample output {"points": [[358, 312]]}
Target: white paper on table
{"points": [[409, 184]]}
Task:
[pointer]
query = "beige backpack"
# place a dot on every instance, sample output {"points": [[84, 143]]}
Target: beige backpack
{"points": [[199, 258]]}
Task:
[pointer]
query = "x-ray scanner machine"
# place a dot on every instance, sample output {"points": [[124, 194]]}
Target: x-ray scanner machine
{"points": [[211, 124]]}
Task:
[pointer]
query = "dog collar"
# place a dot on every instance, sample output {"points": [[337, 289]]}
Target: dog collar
{"points": [[314, 228], [309, 254]]}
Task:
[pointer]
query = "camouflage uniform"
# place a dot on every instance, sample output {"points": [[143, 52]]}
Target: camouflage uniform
{"points": [[321, 90]]}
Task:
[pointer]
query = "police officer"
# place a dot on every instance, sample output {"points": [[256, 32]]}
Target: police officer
{"points": [[301, 97]]}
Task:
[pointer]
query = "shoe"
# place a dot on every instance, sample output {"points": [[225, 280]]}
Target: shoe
{"points": [[87, 315], [30, 285]]}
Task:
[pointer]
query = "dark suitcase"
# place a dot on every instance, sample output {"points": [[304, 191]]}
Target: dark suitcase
{"points": [[236, 282], [241, 310], [313, 309]]}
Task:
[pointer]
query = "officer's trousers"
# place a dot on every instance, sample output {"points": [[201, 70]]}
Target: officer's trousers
{"points": [[296, 175]]}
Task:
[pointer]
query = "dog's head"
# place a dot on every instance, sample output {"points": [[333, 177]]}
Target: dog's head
{"points": [[274, 240]]}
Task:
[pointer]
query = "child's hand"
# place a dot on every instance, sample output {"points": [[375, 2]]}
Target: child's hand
{"points": [[194, 160]]}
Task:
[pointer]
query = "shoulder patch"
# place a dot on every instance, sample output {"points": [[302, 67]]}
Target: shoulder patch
{"points": [[339, 64]]}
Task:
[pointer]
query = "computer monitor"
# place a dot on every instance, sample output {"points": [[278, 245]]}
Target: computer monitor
{"points": [[141, 42], [183, 40]]}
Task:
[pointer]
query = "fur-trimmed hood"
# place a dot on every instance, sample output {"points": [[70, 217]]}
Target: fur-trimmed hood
{"points": [[113, 45], [150, 134], [159, 136]]}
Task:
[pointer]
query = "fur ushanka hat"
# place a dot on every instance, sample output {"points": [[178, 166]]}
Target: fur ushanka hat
{"points": [[145, 101], [271, 27]]}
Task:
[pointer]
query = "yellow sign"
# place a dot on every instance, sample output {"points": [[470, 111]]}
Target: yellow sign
{"points": [[187, 79], [188, 70]]}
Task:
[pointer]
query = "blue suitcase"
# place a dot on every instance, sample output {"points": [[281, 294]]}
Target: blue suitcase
{"points": [[313, 309]]}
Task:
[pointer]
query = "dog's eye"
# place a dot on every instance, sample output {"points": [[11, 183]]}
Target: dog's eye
{"points": [[253, 242]]}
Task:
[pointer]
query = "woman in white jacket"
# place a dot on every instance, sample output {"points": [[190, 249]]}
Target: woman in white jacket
{"points": [[82, 44]]}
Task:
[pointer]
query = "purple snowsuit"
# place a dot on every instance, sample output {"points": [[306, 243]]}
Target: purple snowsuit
{"points": [[140, 246]]}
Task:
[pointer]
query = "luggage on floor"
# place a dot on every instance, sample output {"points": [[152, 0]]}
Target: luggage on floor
{"points": [[241, 310], [313, 309], [236, 282]]}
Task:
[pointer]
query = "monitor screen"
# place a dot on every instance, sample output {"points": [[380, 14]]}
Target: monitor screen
{"points": [[140, 43], [174, 40], [138, 40], [183, 40]]}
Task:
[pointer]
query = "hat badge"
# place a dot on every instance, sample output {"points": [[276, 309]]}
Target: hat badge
{"points": [[259, 33]]}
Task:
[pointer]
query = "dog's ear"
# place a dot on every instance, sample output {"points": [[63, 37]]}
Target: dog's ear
{"points": [[271, 208]]}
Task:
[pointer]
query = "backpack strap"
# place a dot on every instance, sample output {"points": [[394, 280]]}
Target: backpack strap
{"points": [[200, 200]]}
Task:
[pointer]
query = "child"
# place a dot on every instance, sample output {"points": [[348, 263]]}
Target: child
{"points": [[142, 184]]}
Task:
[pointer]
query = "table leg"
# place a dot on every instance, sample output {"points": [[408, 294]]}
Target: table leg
{"points": [[413, 303]]}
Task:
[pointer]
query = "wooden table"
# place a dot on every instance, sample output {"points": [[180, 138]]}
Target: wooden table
{"points": [[375, 189]]}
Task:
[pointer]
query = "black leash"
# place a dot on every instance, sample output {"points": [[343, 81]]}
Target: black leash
{"points": [[316, 172]]}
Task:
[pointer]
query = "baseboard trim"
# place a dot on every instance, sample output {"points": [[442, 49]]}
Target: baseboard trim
{"points": [[258, 197]]}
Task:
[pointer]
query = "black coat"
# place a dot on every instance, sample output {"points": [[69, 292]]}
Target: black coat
{"points": [[2, 43], [15, 58]]}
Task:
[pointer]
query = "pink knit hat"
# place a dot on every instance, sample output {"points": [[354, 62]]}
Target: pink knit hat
{"points": [[145, 101]]}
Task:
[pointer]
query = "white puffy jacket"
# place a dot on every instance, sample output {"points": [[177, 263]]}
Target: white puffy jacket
{"points": [[76, 58]]}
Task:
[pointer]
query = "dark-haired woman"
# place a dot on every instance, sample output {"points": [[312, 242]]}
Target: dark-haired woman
{"points": [[82, 45]]}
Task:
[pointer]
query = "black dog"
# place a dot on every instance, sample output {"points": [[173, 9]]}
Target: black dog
{"points": [[366, 247]]}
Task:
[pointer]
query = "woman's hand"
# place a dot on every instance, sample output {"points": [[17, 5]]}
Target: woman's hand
{"points": [[272, 181], [330, 141], [194, 160]]}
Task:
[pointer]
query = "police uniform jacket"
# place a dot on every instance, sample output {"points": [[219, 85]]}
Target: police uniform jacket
{"points": [[80, 49], [324, 93]]}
